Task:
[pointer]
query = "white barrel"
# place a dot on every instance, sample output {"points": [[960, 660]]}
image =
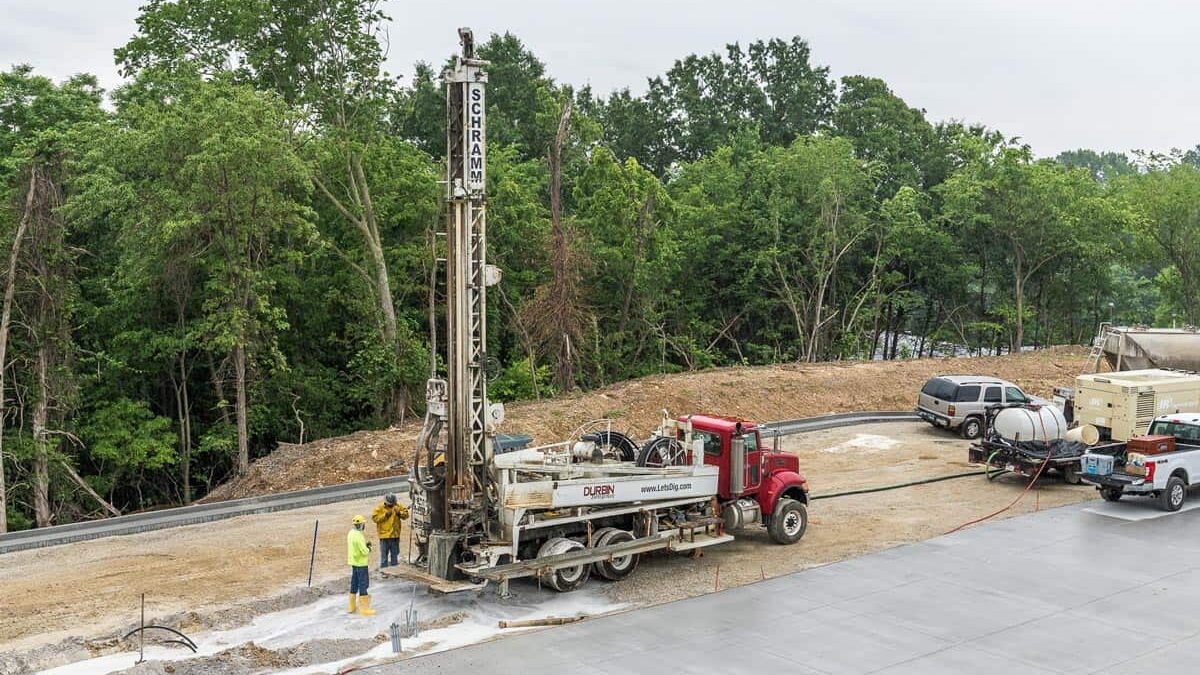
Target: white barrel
{"points": [[1028, 424], [1086, 434]]}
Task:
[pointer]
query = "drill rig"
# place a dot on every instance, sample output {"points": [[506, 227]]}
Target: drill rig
{"points": [[589, 505]]}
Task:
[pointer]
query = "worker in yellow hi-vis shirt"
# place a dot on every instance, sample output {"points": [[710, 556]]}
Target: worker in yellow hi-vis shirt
{"points": [[387, 517], [357, 550]]}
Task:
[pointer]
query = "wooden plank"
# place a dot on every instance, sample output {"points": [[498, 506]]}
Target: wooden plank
{"points": [[435, 583]]}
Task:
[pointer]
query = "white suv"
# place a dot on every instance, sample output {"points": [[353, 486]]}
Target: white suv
{"points": [[958, 401]]}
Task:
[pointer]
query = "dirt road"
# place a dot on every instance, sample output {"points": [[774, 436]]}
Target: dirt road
{"points": [[91, 589], [836, 460]]}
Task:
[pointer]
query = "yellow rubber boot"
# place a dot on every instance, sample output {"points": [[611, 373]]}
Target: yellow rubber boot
{"points": [[364, 606], [353, 603]]}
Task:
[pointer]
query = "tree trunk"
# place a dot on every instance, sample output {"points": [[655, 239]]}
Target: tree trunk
{"points": [[565, 296], [41, 445], [10, 286], [243, 441], [185, 428], [1019, 301]]}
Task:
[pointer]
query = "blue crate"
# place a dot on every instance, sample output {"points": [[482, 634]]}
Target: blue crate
{"points": [[1096, 465]]}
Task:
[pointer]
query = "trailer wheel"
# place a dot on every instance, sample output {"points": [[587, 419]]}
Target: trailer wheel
{"points": [[1070, 475], [1174, 496], [617, 568], [1111, 494], [789, 522], [563, 579]]}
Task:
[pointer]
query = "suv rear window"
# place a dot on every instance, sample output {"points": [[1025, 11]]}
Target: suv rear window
{"points": [[967, 394], [939, 388]]}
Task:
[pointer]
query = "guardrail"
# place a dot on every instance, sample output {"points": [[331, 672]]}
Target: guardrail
{"points": [[204, 513], [788, 427], [197, 513]]}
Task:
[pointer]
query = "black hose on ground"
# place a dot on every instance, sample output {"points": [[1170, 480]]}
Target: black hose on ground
{"points": [[885, 488]]}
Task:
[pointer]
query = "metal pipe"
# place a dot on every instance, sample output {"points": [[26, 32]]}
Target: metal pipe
{"points": [[312, 560]]}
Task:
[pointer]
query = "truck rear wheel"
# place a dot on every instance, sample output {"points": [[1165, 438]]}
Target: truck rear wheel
{"points": [[789, 522], [1111, 494], [1174, 496], [564, 579], [615, 569]]}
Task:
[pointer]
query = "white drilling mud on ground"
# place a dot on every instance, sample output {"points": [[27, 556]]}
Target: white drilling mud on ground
{"points": [[863, 443], [448, 622]]}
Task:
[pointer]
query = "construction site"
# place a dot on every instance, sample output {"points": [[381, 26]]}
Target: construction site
{"points": [[926, 514]]}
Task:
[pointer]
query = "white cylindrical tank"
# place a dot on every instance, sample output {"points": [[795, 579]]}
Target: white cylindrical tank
{"points": [[1086, 434], [1028, 424]]}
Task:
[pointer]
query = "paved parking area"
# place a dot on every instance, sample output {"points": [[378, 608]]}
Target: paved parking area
{"points": [[1061, 591]]}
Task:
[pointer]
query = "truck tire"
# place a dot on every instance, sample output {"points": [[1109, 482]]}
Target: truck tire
{"points": [[1111, 494], [789, 522], [1174, 496], [617, 568], [564, 579], [971, 428]]}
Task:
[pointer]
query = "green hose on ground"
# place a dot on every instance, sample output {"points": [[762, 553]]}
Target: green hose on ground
{"points": [[923, 481]]}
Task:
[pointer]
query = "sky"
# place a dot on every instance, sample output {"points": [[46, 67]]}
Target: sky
{"points": [[1059, 74]]}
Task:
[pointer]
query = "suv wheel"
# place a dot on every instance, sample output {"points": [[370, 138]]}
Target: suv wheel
{"points": [[972, 428]]}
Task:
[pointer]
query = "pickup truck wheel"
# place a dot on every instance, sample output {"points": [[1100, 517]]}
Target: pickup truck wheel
{"points": [[789, 522], [617, 568], [972, 428], [564, 579], [1111, 494], [1174, 496]]}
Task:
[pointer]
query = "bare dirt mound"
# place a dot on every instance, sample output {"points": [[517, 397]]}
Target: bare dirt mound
{"points": [[757, 393]]}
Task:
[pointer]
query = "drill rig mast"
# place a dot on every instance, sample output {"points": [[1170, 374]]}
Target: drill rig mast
{"points": [[458, 504]]}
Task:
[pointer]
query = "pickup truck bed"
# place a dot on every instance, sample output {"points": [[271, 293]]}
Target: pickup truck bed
{"points": [[1171, 475]]}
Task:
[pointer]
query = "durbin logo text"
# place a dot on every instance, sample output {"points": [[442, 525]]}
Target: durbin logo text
{"points": [[599, 491]]}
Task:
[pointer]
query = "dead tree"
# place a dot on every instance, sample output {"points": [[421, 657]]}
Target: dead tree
{"points": [[556, 315]]}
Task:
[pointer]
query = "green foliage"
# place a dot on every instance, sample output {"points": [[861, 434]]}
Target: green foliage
{"points": [[124, 438], [262, 186], [521, 382]]}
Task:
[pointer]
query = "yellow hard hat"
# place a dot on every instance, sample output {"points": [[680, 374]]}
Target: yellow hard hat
{"points": [[359, 520]]}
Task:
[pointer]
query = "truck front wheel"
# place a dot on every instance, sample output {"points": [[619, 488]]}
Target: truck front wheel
{"points": [[1174, 496], [789, 522]]}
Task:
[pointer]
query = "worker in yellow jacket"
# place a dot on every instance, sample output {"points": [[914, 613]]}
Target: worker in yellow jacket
{"points": [[387, 517], [357, 551]]}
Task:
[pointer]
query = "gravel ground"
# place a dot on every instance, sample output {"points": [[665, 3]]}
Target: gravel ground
{"points": [[70, 602]]}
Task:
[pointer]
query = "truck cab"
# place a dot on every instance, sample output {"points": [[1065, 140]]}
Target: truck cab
{"points": [[757, 484]]}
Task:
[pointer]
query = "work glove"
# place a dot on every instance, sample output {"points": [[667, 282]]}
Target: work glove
{"points": [[368, 546]]}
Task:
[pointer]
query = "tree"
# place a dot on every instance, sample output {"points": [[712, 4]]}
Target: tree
{"points": [[37, 118], [1036, 212], [323, 57], [885, 131], [220, 198], [623, 212], [1166, 228]]}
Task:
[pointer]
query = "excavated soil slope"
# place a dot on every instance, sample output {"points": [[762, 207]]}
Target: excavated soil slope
{"points": [[759, 393]]}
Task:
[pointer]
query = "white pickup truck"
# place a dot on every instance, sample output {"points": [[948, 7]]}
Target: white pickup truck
{"points": [[1162, 464]]}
